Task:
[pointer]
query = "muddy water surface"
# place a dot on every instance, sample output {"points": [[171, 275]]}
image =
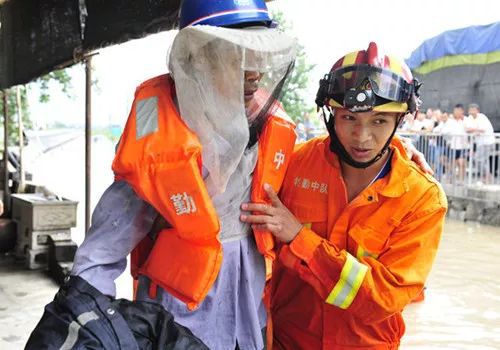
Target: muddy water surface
{"points": [[462, 305]]}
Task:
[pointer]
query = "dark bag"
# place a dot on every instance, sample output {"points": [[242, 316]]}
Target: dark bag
{"points": [[80, 317]]}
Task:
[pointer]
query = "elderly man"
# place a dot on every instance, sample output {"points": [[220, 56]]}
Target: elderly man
{"points": [[478, 125]]}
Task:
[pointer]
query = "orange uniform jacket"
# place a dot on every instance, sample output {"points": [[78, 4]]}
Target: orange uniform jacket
{"points": [[344, 280]]}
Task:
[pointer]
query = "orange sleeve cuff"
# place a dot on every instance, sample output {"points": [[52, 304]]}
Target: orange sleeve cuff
{"points": [[305, 244]]}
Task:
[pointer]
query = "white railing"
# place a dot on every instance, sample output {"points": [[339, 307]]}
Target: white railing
{"points": [[461, 161]]}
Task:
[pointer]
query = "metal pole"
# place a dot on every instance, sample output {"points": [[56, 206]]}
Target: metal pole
{"points": [[88, 137], [21, 141], [5, 154], [471, 156]]}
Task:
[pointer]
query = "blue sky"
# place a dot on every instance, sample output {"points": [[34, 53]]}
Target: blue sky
{"points": [[326, 28]]}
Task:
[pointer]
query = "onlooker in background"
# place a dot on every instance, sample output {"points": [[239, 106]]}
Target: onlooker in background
{"points": [[432, 121], [440, 146], [458, 141], [480, 126], [417, 124], [407, 121], [414, 124], [432, 143], [428, 113]]}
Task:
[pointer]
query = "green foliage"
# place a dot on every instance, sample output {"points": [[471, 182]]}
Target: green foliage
{"points": [[12, 114], [293, 98], [61, 76]]}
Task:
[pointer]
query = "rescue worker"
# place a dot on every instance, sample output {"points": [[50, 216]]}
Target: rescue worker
{"points": [[198, 142], [359, 224]]}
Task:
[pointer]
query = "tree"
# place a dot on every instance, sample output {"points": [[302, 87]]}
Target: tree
{"points": [[60, 76], [293, 99], [13, 133]]}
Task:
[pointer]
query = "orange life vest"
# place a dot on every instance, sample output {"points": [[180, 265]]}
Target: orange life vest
{"points": [[160, 157]]}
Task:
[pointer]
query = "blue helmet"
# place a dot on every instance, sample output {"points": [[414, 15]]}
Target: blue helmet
{"points": [[223, 13]]}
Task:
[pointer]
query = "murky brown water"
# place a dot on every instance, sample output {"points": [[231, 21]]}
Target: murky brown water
{"points": [[462, 305]]}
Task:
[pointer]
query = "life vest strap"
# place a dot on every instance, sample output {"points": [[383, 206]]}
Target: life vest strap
{"points": [[153, 290]]}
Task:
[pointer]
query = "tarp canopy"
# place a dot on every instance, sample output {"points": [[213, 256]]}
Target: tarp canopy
{"points": [[471, 45], [461, 66], [39, 36]]}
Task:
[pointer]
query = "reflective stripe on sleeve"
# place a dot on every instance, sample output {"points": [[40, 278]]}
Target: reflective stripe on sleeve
{"points": [[350, 280], [146, 114]]}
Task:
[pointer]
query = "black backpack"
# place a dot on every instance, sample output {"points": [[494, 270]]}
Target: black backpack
{"points": [[80, 317]]}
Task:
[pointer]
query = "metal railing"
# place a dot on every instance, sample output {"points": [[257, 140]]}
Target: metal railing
{"points": [[461, 162]]}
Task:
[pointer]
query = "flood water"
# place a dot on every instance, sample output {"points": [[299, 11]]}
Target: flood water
{"points": [[462, 305]]}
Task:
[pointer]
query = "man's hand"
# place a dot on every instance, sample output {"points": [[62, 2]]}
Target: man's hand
{"points": [[274, 217], [415, 155]]}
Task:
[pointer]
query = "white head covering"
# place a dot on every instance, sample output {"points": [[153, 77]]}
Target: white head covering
{"points": [[208, 65]]}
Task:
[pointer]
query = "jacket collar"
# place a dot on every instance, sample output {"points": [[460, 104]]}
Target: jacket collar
{"points": [[395, 184]]}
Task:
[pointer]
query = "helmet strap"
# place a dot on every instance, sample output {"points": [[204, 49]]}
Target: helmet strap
{"points": [[337, 147]]}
